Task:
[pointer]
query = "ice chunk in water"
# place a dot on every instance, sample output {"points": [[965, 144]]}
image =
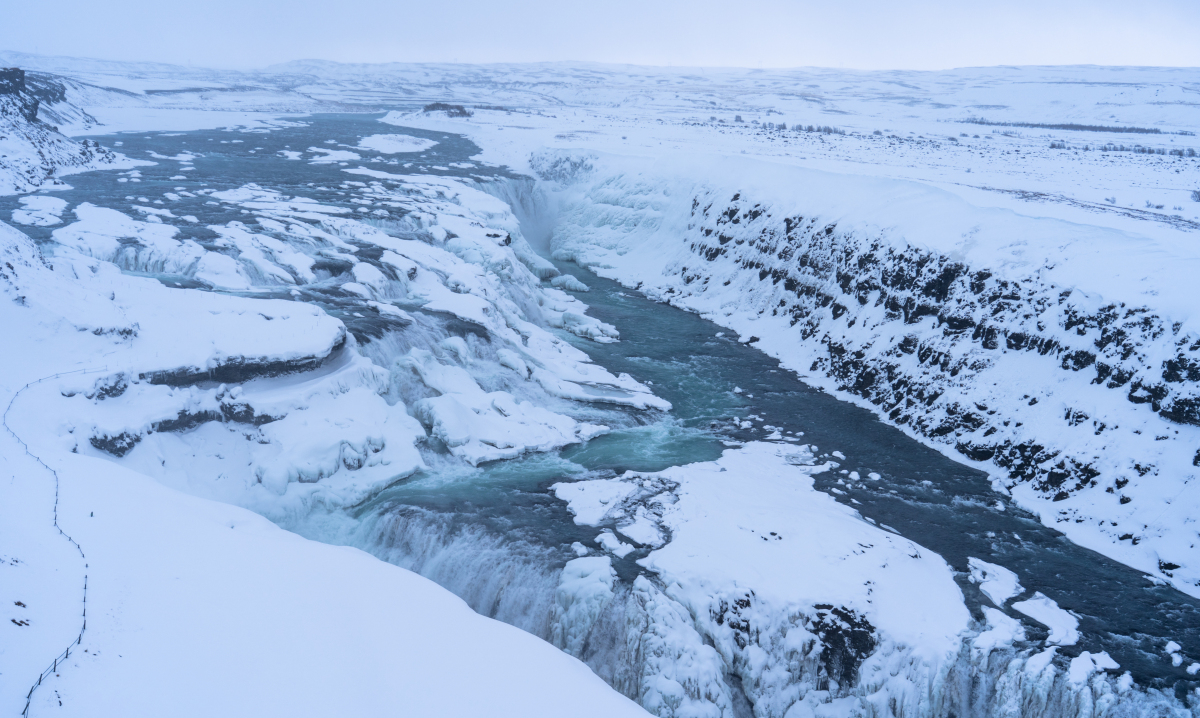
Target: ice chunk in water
{"points": [[997, 582]]}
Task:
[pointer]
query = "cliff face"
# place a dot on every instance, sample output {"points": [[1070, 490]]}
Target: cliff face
{"points": [[32, 152], [15, 94], [949, 324]]}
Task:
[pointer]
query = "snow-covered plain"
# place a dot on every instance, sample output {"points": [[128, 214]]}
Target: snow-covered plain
{"points": [[1016, 296]]}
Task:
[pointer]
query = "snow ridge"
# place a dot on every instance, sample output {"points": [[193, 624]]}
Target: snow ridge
{"points": [[447, 346]]}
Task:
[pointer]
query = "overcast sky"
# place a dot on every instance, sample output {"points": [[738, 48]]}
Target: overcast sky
{"points": [[868, 34]]}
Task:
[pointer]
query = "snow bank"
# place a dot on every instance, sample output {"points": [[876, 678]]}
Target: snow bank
{"points": [[481, 426], [1064, 628], [758, 583], [734, 521], [998, 583], [39, 211], [342, 428]]}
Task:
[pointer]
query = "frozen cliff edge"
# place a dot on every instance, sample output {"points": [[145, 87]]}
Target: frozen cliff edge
{"points": [[1063, 358]]}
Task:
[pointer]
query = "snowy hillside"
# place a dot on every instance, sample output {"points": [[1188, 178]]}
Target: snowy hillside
{"points": [[34, 153], [365, 327]]}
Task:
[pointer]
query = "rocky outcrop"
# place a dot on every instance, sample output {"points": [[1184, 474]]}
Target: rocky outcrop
{"points": [[16, 97]]}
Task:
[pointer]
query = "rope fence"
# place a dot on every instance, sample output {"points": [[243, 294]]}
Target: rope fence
{"points": [[62, 657]]}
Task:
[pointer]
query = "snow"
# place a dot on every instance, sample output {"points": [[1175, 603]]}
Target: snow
{"points": [[36, 156], [997, 582], [1064, 627], [733, 521], [1085, 664], [1002, 631], [714, 596], [569, 283], [179, 585], [609, 542], [584, 586], [480, 426], [395, 144], [328, 156], [183, 593], [39, 211]]}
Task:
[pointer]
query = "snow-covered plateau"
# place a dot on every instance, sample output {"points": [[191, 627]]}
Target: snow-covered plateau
{"points": [[302, 299]]}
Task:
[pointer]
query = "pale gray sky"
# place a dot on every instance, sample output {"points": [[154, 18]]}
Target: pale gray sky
{"points": [[868, 34]]}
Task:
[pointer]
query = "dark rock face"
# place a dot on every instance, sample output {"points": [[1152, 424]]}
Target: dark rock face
{"points": [[910, 329], [12, 85], [12, 80], [237, 370], [118, 445], [847, 639], [230, 412]]}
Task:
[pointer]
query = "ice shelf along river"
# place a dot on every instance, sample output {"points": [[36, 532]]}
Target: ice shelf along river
{"points": [[497, 536]]}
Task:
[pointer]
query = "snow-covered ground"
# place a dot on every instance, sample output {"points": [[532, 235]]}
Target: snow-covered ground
{"points": [[1017, 296]]}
